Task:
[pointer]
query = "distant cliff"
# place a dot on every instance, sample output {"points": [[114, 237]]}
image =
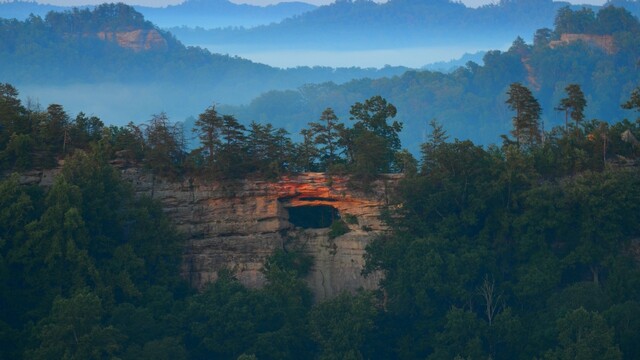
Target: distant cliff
{"points": [[603, 42], [136, 40]]}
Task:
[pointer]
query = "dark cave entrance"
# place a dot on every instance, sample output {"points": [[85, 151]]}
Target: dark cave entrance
{"points": [[313, 216]]}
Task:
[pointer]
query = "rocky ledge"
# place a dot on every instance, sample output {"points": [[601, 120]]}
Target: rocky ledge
{"points": [[238, 225]]}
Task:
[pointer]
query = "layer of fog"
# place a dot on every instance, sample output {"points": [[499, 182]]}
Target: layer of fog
{"points": [[118, 104], [375, 58]]}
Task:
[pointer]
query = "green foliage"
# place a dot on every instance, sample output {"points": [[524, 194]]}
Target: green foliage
{"points": [[341, 325], [573, 105], [584, 335], [350, 219], [328, 135], [488, 240], [634, 101], [338, 228], [526, 127], [73, 257]]}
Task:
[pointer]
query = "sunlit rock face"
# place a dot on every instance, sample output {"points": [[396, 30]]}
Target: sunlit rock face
{"points": [[136, 40], [603, 42], [238, 225]]}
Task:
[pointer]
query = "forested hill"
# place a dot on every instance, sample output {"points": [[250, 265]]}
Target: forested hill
{"points": [[114, 43], [365, 24], [83, 54], [470, 101]]}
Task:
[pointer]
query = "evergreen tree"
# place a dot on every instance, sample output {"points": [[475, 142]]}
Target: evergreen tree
{"points": [[373, 142], [327, 135], [207, 128], [437, 137], [526, 128], [164, 151], [634, 101], [232, 157], [573, 105]]}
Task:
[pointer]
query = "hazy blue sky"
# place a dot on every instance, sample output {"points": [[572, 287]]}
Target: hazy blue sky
{"points": [[473, 3]]}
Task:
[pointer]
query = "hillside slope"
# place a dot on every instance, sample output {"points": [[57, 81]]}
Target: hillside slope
{"points": [[470, 101], [49, 58]]}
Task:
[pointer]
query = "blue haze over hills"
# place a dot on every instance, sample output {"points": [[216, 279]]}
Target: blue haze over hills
{"points": [[119, 85]]}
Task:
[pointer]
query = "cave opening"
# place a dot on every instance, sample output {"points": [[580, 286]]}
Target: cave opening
{"points": [[313, 216]]}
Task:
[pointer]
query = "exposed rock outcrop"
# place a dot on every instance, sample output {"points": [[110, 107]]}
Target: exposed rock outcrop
{"points": [[604, 42], [136, 40], [239, 225]]}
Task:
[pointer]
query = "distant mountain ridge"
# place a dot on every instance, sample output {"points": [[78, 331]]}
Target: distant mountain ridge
{"points": [[194, 13], [209, 14], [111, 50], [470, 100], [364, 24]]}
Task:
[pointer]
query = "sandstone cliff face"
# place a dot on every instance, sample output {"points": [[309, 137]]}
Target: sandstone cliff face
{"points": [[604, 42], [136, 40], [238, 225]]}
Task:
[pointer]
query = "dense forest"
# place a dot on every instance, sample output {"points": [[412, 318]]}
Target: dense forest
{"points": [[525, 249], [469, 100]]}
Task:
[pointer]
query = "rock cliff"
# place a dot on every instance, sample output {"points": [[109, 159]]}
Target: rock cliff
{"points": [[603, 42], [136, 40], [238, 225]]}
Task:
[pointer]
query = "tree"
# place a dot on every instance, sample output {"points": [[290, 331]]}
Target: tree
{"points": [[11, 114], [542, 38], [584, 335], [73, 330], [207, 127], [341, 325], [373, 115], [54, 130], [232, 156], [327, 134], [573, 105], [164, 151], [269, 150], [306, 153], [373, 142], [85, 130], [526, 121], [634, 101], [127, 141], [436, 138]]}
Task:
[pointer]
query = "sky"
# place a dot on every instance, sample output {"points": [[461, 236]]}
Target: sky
{"points": [[470, 3]]}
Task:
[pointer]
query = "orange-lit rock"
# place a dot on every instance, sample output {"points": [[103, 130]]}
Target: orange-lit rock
{"points": [[604, 42], [238, 225], [136, 40]]}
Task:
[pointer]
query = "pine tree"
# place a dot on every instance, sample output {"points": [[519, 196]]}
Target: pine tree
{"points": [[207, 128], [327, 135], [573, 105], [526, 121]]}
